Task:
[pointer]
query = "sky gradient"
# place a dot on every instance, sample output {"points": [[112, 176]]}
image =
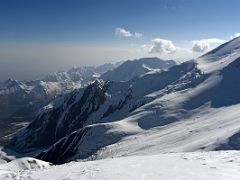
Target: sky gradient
{"points": [[38, 37]]}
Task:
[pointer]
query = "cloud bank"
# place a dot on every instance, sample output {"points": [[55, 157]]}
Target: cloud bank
{"points": [[236, 35], [121, 32], [204, 45], [162, 46]]}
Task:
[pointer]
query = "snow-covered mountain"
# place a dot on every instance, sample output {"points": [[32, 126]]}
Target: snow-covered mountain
{"points": [[18, 98], [191, 106], [82, 75], [134, 68]]}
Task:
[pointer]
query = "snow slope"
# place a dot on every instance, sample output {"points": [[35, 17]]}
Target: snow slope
{"points": [[182, 166]]}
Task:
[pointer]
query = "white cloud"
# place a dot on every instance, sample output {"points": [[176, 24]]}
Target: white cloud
{"points": [[121, 32], [137, 34], [235, 35], [200, 46], [204, 45], [162, 46]]}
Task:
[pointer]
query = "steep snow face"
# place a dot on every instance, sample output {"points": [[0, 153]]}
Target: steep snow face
{"points": [[189, 107], [130, 69], [187, 166], [220, 57], [225, 49]]}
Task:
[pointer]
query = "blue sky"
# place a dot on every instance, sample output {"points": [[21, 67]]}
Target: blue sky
{"points": [[50, 35]]}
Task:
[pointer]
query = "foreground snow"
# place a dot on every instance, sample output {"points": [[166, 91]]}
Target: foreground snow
{"points": [[219, 165], [23, 164]]}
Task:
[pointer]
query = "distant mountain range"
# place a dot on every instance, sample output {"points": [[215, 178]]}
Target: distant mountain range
{"points": [[21, 98], [24, 98]]}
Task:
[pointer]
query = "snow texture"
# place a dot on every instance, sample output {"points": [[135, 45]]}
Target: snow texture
{"points": [[182, 166]]}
